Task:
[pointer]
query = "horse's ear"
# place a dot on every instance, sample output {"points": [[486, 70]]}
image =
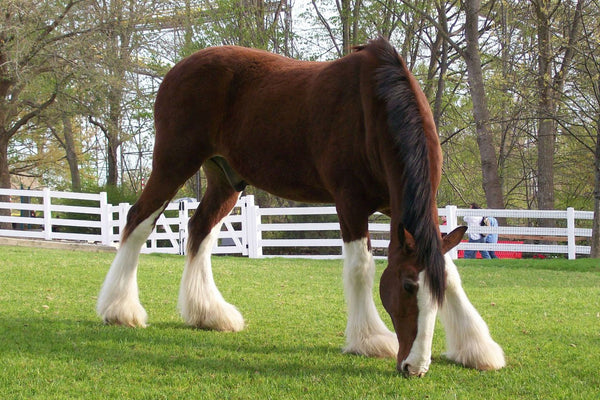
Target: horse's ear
{"points": [[453, 238], [407, 241]]}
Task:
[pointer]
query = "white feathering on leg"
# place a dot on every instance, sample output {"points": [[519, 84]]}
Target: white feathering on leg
{"points": [[418, 360], [200, 302], [118, 301], [366, 333], [467, 335]]}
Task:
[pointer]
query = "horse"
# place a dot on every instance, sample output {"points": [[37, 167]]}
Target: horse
{"points": [[357, 132]]}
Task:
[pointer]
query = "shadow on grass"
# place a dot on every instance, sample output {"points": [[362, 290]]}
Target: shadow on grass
{"points": [[173, 346], [558, 264]]}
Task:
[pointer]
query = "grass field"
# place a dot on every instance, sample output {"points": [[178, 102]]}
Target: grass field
{"points": [[544, 313]]}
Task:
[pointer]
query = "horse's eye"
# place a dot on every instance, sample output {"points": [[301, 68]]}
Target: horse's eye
{"points": [[410, 286]]}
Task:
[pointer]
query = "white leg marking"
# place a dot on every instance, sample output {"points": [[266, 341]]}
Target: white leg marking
{"points": [[200, 302], [467, 336], [118, 301], [419, 358], [366, 333]]}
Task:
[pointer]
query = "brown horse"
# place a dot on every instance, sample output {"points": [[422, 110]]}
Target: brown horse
{"points": [[357, 132]]}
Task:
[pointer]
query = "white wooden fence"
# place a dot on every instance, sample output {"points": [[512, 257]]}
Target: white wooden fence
{"points": [[262, 232]]}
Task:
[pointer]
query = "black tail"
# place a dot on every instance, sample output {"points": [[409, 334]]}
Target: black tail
{"points": [[405, 123]]}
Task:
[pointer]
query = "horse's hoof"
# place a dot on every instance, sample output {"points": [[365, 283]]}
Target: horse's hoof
{"points": [[382, 345], [133, 319], [222, 317], [126, 311]]}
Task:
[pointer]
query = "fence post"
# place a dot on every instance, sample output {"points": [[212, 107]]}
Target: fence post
{"points": [[252, 228], [123, 210], [46, 199], [183, 225], [452, 223], [105, 218], [571, 233]]}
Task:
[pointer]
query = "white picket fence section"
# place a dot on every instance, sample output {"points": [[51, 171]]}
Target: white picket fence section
{"points": [[262, 232], [38, 216]]}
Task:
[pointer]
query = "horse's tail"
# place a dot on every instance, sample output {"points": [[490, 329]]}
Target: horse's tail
{"points": [[409, 121]]}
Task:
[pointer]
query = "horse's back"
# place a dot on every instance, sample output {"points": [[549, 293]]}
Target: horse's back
{"points": [[228, 85], [277, 120]]}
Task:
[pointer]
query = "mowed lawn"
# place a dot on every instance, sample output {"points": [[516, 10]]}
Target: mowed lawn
{"points": [[544, 313]]}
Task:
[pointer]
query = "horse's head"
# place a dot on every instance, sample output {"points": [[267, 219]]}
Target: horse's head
{"points": [[403, 293]]}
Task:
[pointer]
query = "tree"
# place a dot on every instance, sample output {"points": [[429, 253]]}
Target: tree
{"points": [[583, 104], [263, 24], [342, 23], [31, 36], [550, 87], [67, 141], [470, 53], [122, 44], [489, 162]]}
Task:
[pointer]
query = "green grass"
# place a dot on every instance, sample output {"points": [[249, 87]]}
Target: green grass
{"points": [[544, 313]]}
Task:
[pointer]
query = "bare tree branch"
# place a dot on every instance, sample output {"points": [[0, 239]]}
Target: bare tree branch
{"points": [[326, 25]]}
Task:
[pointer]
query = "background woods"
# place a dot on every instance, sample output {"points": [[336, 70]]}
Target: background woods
{"points": [[514, 85]]}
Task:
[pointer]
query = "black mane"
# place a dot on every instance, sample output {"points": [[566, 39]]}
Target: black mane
{"points": [[405, 123]]}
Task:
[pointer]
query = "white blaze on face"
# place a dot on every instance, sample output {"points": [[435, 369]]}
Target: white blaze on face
{"points": [[419, 358]]}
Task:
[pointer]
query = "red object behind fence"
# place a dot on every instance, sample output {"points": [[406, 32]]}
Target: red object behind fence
{"points": [[500, 254]]}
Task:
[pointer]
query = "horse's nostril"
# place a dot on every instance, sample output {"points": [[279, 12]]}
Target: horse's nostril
{"points": [[405, 371]]}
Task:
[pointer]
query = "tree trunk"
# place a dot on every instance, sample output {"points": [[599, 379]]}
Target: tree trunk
{"points": [[71, 154], [4, 176], [387, 27], [489, 164], [113, 131], [549, 91], [349, 17], [4, 170], [5, 85], [595, 251], [546, 124], [443, 64], [112, 178]]}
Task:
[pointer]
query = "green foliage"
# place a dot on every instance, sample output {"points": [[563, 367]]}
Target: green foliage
{"points": [[258, 23], [544, 313], [120, 194], [111, 71]]}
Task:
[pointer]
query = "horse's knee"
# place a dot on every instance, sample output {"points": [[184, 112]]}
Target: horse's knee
{"points": [[359, 266]]}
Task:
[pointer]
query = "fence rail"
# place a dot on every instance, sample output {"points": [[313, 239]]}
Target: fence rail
{"points": [[262, 232]]}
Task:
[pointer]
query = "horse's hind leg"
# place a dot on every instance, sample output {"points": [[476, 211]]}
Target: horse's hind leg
{"points": [[118, 301], [200, 302]]}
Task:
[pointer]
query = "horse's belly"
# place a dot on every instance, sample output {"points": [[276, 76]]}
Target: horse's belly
{"points": [[284, 175]]}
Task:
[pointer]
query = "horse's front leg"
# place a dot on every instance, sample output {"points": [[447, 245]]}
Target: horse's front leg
{"points": [[366, 334], [467, 336]]}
